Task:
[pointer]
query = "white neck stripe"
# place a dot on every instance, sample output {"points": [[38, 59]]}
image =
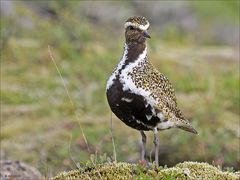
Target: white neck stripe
{"points": [[119, 66], [122, 62]]}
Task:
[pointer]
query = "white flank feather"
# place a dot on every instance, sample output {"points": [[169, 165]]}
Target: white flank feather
{"points": [[161, 116], [165, 125], [149, 117], [127, 99]]}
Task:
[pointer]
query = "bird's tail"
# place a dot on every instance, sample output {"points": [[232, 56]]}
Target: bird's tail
{"points": [[185, 125]]}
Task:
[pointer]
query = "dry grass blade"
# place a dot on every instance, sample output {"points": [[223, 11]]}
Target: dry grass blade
{"points": [[69, 97], [69, 149]]}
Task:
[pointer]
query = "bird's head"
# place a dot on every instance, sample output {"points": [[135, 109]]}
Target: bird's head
{"points": [[136, 29]]}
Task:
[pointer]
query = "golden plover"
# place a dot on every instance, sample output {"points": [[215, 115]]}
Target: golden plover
{"points": [[138, 94]]}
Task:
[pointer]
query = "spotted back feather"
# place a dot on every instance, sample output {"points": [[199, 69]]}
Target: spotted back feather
{"points": [[146, 76]]}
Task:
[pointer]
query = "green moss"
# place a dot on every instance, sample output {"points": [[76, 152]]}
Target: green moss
{"points": [[185, 170], [206, 171], [106, 171]]}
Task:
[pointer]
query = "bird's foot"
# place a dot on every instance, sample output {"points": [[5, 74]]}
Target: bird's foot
{"points": [[143, 162]]}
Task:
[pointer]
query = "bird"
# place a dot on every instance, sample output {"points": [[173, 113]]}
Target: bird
{"points": [[138, 94]]}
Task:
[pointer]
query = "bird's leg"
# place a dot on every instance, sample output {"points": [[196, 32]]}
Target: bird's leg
{"points": [[143, 149], [155, 141]]}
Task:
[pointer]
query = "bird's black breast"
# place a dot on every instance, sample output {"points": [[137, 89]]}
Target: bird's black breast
{"points": [[131, 108]]}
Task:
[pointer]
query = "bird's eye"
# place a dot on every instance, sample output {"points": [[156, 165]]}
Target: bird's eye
{"points": [[131, 27]]}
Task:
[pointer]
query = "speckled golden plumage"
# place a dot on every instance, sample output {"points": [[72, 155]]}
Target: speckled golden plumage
{"points": [[145, 76]]}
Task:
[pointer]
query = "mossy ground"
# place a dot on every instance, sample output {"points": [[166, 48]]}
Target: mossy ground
{"points": [[185, 170]]}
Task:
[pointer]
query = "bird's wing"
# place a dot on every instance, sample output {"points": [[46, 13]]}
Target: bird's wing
{"points": [[164, 93], [165, 99], [156, 88]]}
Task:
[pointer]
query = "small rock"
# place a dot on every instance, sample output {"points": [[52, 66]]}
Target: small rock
{"points": [[18, 170]]}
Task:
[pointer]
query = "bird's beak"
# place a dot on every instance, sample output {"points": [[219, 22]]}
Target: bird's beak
{"points": [[145, 34]]}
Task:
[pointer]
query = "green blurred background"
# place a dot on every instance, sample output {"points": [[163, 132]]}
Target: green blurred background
{"points": [[194, 43]]}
